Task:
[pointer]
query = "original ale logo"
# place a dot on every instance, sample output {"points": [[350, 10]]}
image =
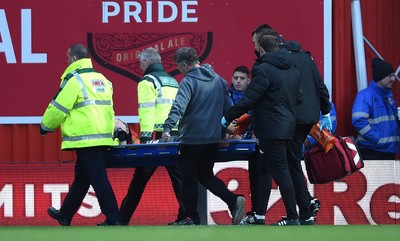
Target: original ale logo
{"points": [[119, 52]]}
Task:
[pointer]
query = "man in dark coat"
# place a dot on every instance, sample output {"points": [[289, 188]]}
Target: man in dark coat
{"points": [[316, 101], [272, 96]]}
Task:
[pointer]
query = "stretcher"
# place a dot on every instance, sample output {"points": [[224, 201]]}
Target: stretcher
{"points": [[162, 154]]}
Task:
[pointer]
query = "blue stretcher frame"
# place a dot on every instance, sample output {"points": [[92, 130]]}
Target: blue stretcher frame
{"points": [[162, 154]]}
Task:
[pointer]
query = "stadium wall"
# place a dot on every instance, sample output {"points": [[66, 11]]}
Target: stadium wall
{"points": [[22, 148], [370, 196]]}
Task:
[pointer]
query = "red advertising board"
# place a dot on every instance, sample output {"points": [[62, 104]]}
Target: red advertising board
{"points": [[35, 36], [27, 190], [370, 196]]}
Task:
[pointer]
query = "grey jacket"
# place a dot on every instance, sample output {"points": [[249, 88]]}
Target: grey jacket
{"points": [[200, 103]]}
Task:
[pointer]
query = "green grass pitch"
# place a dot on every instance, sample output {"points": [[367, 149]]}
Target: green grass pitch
{"points": [[200, 233]]}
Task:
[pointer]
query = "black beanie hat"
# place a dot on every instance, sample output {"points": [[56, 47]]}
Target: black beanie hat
{"points": [[380, 69]]}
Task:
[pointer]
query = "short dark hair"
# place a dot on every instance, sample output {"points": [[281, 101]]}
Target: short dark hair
{"points": [[186, 55], [261, 29], [242, 69], [269, 42], [273, 33], [79, 50]]}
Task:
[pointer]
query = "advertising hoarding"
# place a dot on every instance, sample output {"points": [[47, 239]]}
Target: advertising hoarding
{"points": [[35, 36], [370, 196]]}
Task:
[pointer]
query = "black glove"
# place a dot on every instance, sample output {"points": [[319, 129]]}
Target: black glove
{"points": [[144, 139], [42, 132]]}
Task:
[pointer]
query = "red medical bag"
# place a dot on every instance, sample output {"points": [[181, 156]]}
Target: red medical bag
{"points": [[340, 161]]}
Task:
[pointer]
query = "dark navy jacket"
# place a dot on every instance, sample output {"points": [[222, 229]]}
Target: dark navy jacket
{"points": [[316, 95], [272, 95]]}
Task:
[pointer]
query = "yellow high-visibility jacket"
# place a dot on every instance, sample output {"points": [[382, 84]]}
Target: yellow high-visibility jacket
{"points": [[156, 94], [83, 107]]}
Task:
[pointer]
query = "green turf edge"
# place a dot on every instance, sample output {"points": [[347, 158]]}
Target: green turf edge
{"points": [[197, 233]]}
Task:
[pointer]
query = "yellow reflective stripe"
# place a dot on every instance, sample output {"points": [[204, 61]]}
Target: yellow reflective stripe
{"points": [[86, 137], [86, 101], [156, 83], [45, 127], [92, 102], [83, 88], [147, 105], [59, 107], [165, 101], [153, 104]]}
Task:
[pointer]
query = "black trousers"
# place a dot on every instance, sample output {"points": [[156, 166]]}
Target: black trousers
{"points": [[252, 166], [273, 163], [197, 163], [294, 156], [90, 169], [136, 188]]}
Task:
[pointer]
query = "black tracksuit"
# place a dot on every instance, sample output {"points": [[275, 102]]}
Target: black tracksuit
{"points": [[272, 96], [316, 99]]}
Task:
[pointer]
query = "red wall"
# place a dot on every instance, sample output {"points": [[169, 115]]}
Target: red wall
{"points": [[219, 31], [21, 143], [381, 24]]}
